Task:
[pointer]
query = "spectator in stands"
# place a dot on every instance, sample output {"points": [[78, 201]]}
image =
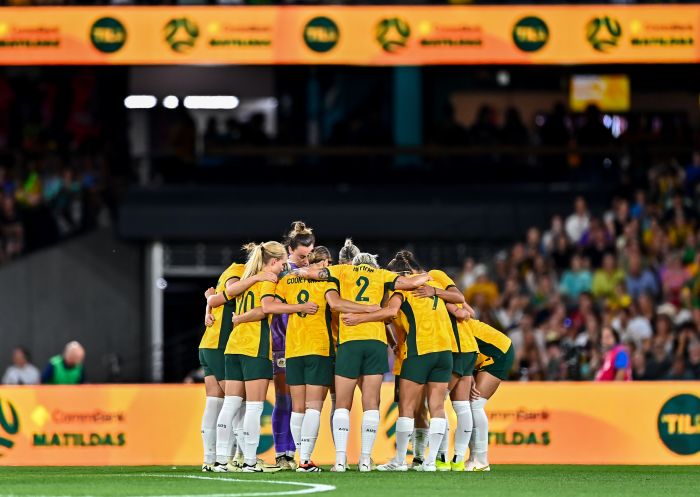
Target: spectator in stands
{"points": [[22, 371], [640, 280], [578, 222], [467, 277], [561, 254], [597, 241], [617, 364], [575, 280], [483, 292], [606, 279], [67, 368], [550, 236], [673, 277]]}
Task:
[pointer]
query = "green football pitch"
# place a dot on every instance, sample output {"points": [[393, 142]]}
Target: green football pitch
{"points": [[520, 481]]}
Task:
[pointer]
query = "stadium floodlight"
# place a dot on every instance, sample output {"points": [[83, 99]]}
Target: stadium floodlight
{"points": [[211, 102], [171, 102], [140, 102]]}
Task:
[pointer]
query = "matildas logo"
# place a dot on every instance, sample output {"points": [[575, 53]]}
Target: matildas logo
{"points": [[392, 34], [108, 35], [181, 34], [679, 424], [9, 424], [603, 33]]}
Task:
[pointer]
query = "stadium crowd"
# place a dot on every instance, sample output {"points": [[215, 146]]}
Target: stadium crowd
{"points": [[634, 268], [54, 167]]}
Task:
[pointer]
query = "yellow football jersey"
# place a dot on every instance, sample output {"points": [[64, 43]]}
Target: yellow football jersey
{"points": [[491, 342], [216, 335], [307, 334], [427, 324], [463, 340], [252, 339], [366, 285]]}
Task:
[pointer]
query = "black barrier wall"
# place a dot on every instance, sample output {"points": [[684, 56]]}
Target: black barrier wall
{"points": [[88, 289]]}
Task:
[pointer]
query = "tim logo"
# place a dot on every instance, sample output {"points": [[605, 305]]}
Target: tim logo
{"points": [[9, 424]]}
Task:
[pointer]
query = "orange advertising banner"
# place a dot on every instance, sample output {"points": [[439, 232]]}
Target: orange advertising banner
{"points": [[359, 35], [530, 423]]}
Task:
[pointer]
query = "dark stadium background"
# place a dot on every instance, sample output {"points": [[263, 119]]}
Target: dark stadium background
{"points": [[159, 202]]}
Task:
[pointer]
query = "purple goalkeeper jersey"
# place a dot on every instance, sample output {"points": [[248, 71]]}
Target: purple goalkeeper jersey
{"points": [[278, 327]]}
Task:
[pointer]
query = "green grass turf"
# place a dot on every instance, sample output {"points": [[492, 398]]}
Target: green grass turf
{"points": [[520, 481]]}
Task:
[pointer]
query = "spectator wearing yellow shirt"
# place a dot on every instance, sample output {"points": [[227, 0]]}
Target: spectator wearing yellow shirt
{"points": [[606, 279], [482, 287]]}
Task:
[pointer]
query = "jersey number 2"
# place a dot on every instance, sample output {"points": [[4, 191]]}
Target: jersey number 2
{"points": [[362, 282]]}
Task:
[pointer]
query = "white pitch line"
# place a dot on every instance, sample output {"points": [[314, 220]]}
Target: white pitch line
{"points": [[309, 488]]}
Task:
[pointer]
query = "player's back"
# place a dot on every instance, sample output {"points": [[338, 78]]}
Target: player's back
{"points": [[307, 334], [364, 284], [427, 323]]}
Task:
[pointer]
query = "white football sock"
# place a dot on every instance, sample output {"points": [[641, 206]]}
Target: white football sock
{"points": [[370, 425], [464, 428], [251, 430], [295, 422], [404, 429], [481, 432], [309, 433], [212, 407], [436, 432], [420, 437], [224, 427], [341, 429]]}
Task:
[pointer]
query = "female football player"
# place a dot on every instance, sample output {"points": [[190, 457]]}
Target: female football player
{"points": [[309, 352], [248, 353], [299, 243], [218, 322], [427, 363], [362, 349], [494, 362]]}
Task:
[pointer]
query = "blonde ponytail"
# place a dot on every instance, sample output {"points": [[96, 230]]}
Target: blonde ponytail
{"points": [[259, 255], [365, 258], [348, 252]]}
